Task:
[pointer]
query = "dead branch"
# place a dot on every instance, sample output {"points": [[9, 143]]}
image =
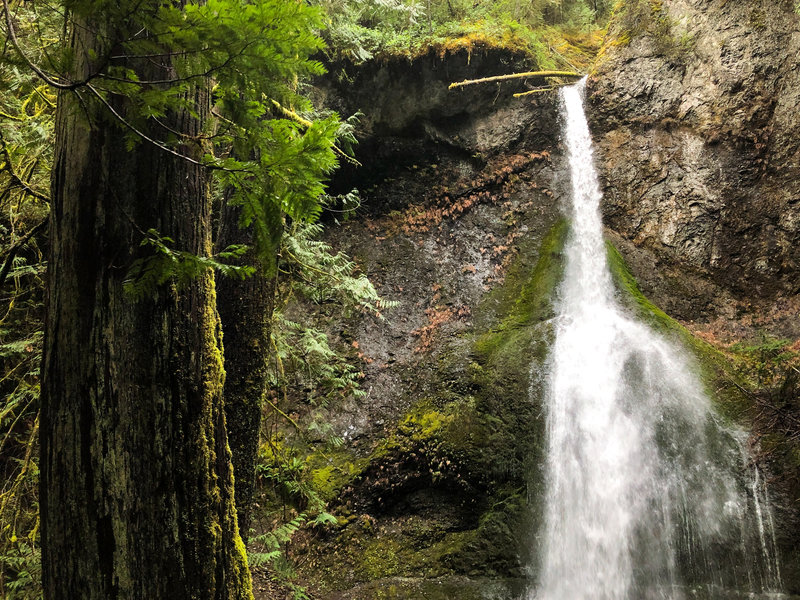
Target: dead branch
{"points": [[568, 74]]}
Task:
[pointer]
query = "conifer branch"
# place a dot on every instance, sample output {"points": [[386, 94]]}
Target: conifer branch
{"points": [[156, 143], [287, 112], [15, 178], [5, 115], [48, 79], [73, 86], [172, 81], [127, 124], [12, 252]]}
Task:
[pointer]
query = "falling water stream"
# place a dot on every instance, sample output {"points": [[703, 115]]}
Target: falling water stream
{"points": [[648, 496]]}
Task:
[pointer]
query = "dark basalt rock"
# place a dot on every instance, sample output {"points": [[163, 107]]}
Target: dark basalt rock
{"points": [[410, 116], [439, 484], [694, 112]]}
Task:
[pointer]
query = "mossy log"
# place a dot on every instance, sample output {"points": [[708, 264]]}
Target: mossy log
{"points": [[567, 74]]}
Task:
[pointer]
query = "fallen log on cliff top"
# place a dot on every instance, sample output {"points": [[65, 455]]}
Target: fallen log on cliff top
{"points": [[569, 74]]}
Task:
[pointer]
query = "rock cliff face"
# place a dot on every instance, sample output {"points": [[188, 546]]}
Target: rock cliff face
{"points": [[461, 224], [694, 110], [438, 486]]}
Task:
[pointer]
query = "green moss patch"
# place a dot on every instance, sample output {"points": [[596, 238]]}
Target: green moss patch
{"points": [[722, 383], [637, 18], [439, 588], [526, 295], [445, 495]]}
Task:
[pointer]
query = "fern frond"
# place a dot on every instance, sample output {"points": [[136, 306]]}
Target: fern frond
{"points": [[177, 267]]}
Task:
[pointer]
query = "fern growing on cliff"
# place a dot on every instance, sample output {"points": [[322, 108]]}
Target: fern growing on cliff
{"points": [[323, 275], [308, 372], [312, 271]]}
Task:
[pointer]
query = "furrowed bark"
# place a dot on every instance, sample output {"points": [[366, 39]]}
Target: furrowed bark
{"points": [[136, 479], [245, 307]]}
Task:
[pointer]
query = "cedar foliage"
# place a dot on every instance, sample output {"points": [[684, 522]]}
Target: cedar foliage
{"points": [[256, 53]]}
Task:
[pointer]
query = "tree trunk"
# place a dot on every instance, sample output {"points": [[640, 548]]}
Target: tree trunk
{"points": [[245, 307], [136, 480]]}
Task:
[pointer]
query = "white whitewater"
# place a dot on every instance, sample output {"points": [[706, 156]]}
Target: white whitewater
{"points": [[644, 489]]}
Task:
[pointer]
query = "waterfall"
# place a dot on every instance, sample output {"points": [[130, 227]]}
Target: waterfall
{"points": [[647, 494]]}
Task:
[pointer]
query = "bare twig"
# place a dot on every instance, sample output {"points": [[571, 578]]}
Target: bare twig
{"points": [[536, 91], [539, 90]]}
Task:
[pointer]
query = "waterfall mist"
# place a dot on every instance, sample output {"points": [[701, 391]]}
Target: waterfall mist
{"points": [[648, 495]]}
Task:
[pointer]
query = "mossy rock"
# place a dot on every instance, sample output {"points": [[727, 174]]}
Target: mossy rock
{"points": [[442, 502], [449, 501], [722, 384], [442, 588]]}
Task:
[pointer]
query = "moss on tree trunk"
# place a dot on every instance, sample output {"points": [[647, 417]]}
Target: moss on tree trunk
{"points": [[245, 307], [136, 479]]}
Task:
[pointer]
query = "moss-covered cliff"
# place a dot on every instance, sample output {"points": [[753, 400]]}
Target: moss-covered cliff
{"points": [[693, 107], [438, 486]]}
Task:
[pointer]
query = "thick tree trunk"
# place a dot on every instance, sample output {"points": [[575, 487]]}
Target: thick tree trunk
{"points": [[245, 307], [136, 478]]}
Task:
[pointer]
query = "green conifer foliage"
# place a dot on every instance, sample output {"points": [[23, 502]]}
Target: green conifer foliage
{"points": [[140, 71]]}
